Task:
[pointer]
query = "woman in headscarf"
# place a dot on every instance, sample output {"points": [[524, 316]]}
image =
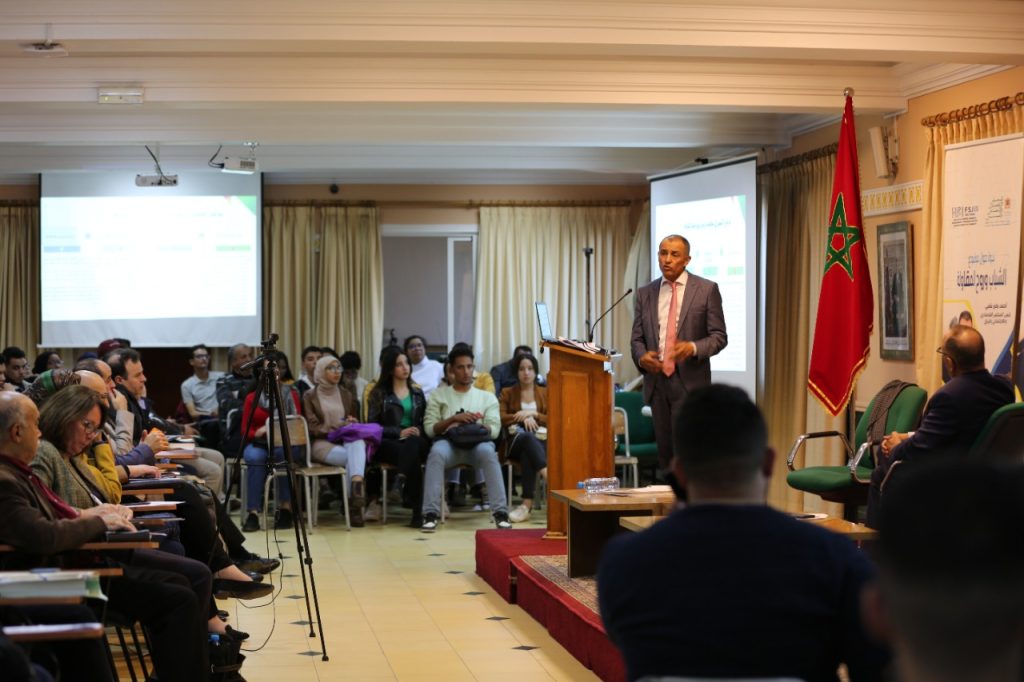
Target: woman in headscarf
{"points": [[327, 407], [256, 452]]}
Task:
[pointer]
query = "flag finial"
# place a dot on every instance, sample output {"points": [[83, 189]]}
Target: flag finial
{"points": [[847, 92]]}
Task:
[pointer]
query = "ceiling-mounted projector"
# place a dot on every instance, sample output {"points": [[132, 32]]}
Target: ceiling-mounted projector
{"points": [[244, 166], [156, 180]]}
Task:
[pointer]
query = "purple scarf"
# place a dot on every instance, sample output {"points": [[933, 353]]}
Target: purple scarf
{"points": [[371, 433]]}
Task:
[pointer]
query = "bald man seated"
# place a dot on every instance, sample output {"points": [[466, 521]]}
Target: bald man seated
{"points": [[953, 418]]}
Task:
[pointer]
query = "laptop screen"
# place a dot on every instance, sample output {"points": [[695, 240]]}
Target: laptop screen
{"points": [[544, 320]]}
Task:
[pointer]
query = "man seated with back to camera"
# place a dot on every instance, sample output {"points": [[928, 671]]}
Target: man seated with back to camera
{"points": [[727, 586], [950, 591], [129, 376], [952, 419]]}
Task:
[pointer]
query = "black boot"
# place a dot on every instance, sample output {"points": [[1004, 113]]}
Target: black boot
{"points": [[356, 503]]}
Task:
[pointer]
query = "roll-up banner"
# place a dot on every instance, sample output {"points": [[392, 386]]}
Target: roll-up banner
{"points": [[983, 187]]}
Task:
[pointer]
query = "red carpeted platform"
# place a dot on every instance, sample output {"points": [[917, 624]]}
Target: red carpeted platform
{"points": [[495, 550], [531, 572]]}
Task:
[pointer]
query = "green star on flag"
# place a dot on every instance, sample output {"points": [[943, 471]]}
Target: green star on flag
{"points": [[841, 236]]}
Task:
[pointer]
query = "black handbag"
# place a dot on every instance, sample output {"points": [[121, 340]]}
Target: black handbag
{"points": [[468, 435]]}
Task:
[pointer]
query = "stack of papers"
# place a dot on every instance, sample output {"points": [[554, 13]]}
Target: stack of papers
{"points": [[49, 583]]}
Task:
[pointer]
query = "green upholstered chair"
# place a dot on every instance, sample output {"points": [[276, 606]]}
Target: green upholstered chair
{"points": [[635, 435], [1003, 435], [848, 484]]}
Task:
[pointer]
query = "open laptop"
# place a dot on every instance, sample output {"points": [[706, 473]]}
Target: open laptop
{"points": [[544, 320]]}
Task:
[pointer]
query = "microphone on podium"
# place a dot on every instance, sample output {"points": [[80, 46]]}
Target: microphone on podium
{"points": [[590, 332]]}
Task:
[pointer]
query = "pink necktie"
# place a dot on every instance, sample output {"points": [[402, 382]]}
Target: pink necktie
{"points": [[668, 363]]}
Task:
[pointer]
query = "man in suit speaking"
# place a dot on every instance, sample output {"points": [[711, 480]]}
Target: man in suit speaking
{"points": [[678, 325]]}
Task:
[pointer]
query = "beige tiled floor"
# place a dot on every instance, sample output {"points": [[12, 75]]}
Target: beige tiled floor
{"points": [[391, 611]]}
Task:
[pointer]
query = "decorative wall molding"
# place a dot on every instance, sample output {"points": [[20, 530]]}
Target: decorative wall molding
{"points": [[908, 196]]}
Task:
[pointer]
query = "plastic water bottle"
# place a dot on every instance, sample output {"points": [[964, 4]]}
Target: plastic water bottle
{"points": [[599, 485], [214, 641]]}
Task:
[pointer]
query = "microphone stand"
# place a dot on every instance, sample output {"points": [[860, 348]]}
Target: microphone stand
{"points": [[590, 332], [588, 251], [268, 383]]}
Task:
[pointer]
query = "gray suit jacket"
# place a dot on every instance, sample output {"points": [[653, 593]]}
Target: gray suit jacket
{"points": [[701, 320]]}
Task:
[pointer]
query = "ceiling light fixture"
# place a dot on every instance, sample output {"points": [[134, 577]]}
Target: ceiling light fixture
{"points": [[47, 48], [120, 94]]}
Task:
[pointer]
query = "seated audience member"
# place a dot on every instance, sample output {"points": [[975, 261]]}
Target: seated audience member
{"points": [[950, 590], [129, 376], [426, 373], [952, 419], [351, 363], [448, 408], [136, 461], [48, 359], [231, 390], [727, 586], [327, 350], [199, 391], [398, 405], [36, 522], [73, 463], [18, 370], [506, 374], [199, 395], [254, 420], [4, 386], [327, 407], [284, 371], [310, 354], [524, 411]]}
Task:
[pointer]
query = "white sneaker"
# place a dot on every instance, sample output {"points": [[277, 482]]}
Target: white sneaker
{"points": [[520, 514], [373, 512]]}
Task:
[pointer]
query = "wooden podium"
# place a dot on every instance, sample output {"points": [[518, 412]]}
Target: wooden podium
{"points": [[579, 425]]}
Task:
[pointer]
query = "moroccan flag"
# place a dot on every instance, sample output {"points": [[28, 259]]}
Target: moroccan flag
{"points": [[845, 307]]}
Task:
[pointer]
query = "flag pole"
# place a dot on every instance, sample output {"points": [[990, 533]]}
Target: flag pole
{"points": [[850, 425]]}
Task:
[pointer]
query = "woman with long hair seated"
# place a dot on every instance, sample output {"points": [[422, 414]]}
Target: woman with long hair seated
{"points": [[256, 452], [524, 414], [398, 405], [329, 406], [70, 422]]}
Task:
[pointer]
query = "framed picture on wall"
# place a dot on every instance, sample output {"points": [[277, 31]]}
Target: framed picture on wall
{"points": [[895, 291]]}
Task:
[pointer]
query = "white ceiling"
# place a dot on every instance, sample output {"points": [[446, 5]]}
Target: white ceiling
{"points": [[489, 91]]}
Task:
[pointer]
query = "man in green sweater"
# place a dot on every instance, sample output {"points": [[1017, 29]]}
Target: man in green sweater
{"points": [[447, 408]]}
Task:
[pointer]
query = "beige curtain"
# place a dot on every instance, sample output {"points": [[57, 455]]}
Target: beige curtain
{"points": [[638, 273], [19, 276], [290, 239], [324, 279], [350, 301], [795, 217], [528, 254], [928, 239]]}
